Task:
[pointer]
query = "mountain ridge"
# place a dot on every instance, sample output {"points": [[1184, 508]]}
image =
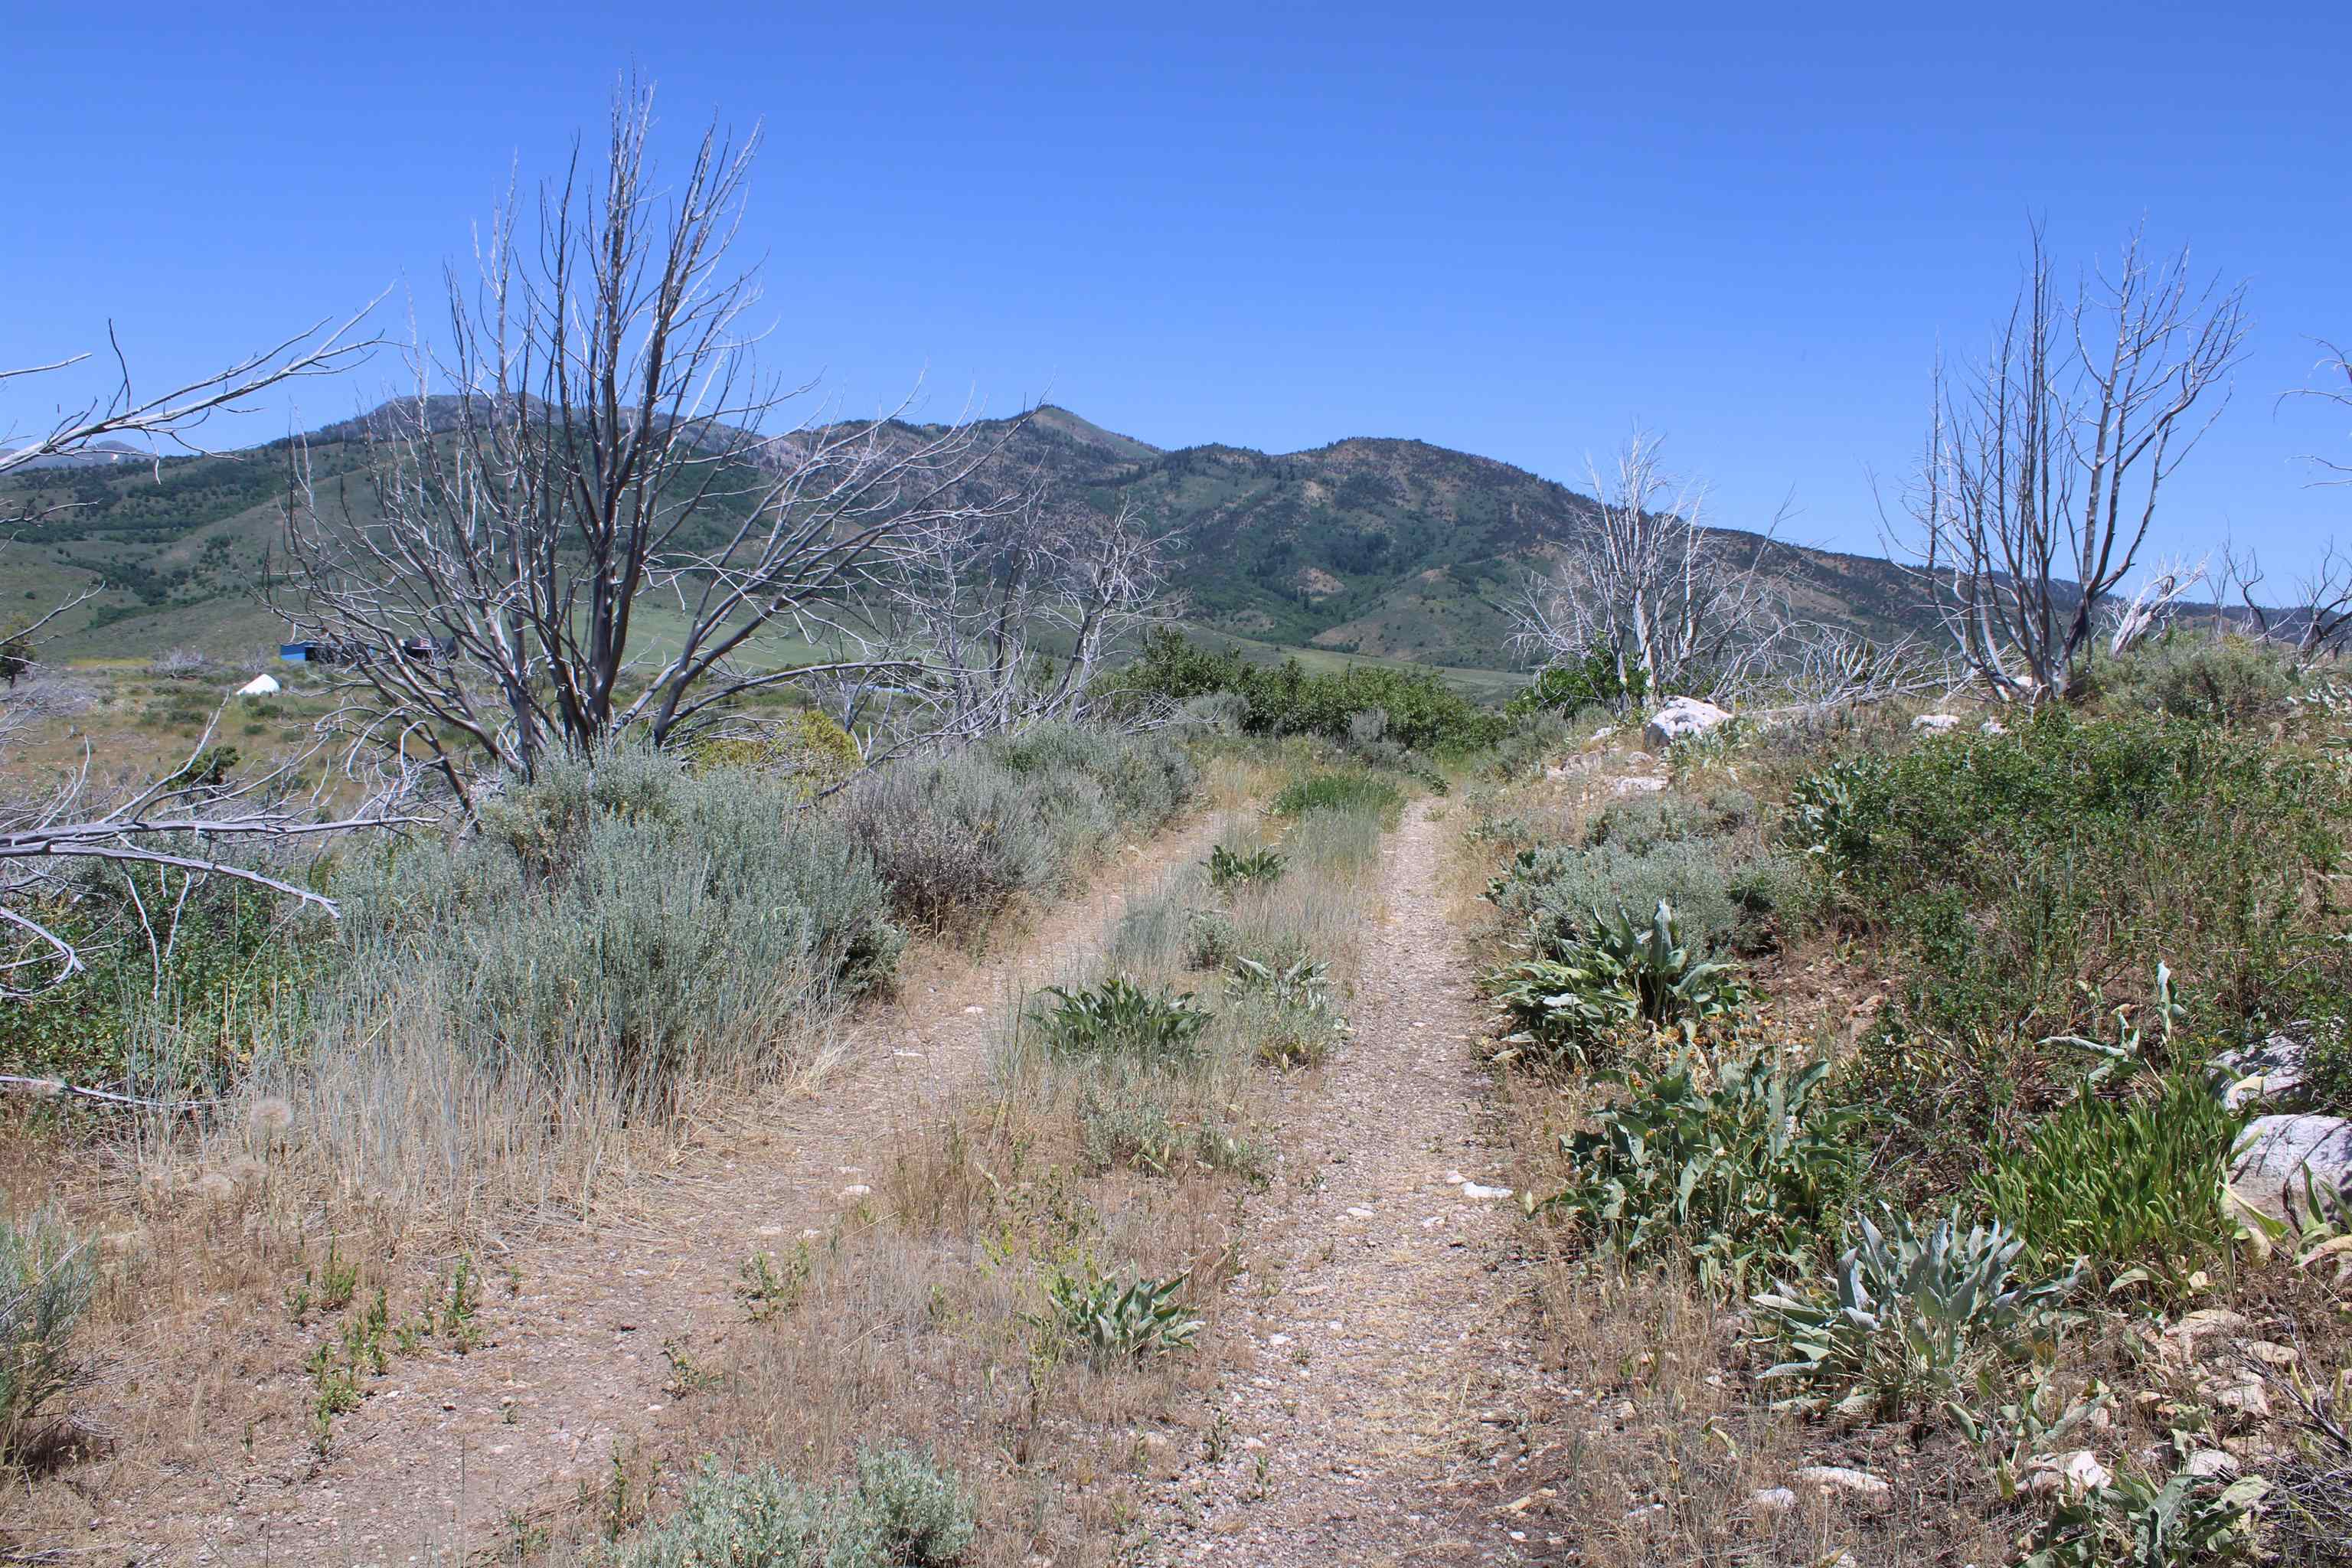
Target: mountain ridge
{"points": [[1380, 546]]}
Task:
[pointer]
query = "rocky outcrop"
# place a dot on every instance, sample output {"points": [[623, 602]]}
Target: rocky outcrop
{"points": [[1935, 723], [2269, 1072], [1680, 719], [2283, 1164]]}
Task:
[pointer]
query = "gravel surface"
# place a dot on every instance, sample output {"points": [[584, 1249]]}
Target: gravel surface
{"points": [[1382, 1350]]}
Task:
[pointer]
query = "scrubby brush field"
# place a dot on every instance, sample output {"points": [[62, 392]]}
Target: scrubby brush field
{"points": [[1824, 1140], [1884, 1184]]}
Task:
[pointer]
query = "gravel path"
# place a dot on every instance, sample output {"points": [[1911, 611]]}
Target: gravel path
{"points": [[1353, 1430], [447, 1451]]}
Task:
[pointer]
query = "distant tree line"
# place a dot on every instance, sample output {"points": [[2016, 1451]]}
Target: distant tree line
{"points": [[1422, 711]]}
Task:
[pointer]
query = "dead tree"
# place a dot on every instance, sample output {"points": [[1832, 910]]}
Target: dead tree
{"points": [[1817, 668], [1672, 605], [2044, 463], [2315, 621], [1013, 615], [177, 823], [166, 421], [596, 446]]}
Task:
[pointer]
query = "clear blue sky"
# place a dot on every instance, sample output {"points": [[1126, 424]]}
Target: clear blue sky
{"points": [[1514, 230]]}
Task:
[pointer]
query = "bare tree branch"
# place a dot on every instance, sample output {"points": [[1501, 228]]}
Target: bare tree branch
{"points": [[169, 822], [974, 595], [602, 456], [1651, 588], [327, 347], [2045, 464]]}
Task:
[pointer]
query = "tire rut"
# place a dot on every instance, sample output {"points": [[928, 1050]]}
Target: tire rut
{"points": [[450, 1450], [1350, 1433]]}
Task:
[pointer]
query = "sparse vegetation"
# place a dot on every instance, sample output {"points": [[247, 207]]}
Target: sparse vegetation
{"points": [[46, 1277], [1959, 1159]]}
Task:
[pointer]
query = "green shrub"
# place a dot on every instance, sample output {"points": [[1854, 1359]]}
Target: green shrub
{"points": [[2027, 882], [1111, 1322], [1532, 743], [1211, 941], [902, 1512], [1623, 974], [1639, 824], [1342, 791], [2130, 1185], [1146, 778], [1910, 1319], [1212, 713], [1229, 868], [2189, 675], [1554, 891], [957, 837], [624, 924], [1592, 681], [807, 746], [1119, 1017], [921, 1513], [1770, 894], [46, 1276], [219, 946], [1420, 713], [1739, 1179]]}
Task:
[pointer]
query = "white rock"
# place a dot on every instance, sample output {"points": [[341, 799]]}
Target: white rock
{"points": [[1840, 1479], [2208, 1463], [2076, 1472], [2239, 1389], [1160, 1460], [1603, 732], [1772, 1500], [1935, 723], [1637, 784], [2283, 1163], [2207, 1321], [1472, 1189], [1680, 719], [856, 1192], [2268, 1072], [1992, 726]]}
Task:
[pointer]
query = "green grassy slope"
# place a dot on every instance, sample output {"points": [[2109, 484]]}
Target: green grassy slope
{"points": [[1387, 549]]}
